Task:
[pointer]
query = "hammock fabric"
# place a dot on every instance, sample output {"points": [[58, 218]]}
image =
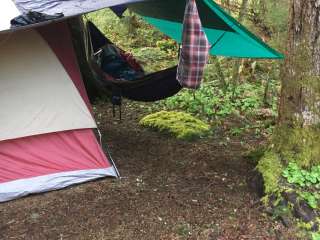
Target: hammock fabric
{"points": [[148, 88]]}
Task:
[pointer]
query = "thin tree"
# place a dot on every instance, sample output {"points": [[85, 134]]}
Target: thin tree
{"points": [[236, 66]]}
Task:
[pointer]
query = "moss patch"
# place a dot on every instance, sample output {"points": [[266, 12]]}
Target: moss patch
{"points": [[289, 145], [179, 124], [271, 168], [300, 145], [255, 155], [290, 168]]}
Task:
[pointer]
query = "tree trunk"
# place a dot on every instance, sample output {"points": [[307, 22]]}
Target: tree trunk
{"points": [[236, 66], [300, 93], [222, 79], [78, 32], [297, 136], [243, 10]]}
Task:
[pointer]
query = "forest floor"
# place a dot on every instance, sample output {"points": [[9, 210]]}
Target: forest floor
{"points": [[170, 190]]}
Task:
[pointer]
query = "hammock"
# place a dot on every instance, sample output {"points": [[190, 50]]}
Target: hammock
{"points": [[145, 87]]}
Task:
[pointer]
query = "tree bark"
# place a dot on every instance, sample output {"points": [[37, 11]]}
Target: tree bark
{"points": [[300, 93], [236, 66], [226, 4], [222, 79], [78, 32], [243, 10]]}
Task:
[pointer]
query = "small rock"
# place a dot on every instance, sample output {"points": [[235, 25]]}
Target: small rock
{"points": [[304, 212], [291, 197], [286, 221], [269, 211], [256, 183], [315, 227], [35, 216]]}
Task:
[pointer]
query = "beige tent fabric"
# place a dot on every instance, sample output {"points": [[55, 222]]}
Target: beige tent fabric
{"points": [[37, 95], [8, 11]]}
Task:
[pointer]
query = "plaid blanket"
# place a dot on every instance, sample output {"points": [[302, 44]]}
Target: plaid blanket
{"points": [[195, 49]]}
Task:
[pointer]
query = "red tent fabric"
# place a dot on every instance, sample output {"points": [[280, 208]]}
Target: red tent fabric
{"points": [[50, 153], [53, 160]]}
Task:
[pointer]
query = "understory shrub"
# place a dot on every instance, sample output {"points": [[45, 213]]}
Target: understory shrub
{"points": [[211, 102], [179, 124]]}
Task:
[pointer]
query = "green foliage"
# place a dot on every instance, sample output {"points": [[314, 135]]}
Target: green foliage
{"points": [[150, 47], [184, 230], [154, 59], [280, 210], [121, 31], [212, 102], [155, 52], [180, 124], [167, 45], [271, 168], [236, 131], [271, 15], [306, 181], [295, 175], [304, 225], [277, 11], [315, 236], [311, 198]]}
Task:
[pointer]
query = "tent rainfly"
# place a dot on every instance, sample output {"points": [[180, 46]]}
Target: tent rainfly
{"points": [[47, 138], [226, 36]]}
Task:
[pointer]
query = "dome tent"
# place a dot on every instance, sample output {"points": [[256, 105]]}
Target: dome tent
{"points": [[47, 138]]}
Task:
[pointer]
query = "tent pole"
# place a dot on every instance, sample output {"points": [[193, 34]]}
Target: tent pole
{"points": [[106, 148], [111, 159]]}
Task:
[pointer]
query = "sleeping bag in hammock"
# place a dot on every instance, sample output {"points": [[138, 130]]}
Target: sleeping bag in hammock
{"points": [[118, 72]]}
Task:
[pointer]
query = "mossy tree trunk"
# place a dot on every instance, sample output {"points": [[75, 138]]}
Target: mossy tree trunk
{"points": [[300, 94], [297, 137]]}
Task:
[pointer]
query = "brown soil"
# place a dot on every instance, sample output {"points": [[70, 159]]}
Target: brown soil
{"points": [[170, 190]]}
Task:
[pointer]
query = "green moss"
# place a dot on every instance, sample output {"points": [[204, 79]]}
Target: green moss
{"points": [[271, 168], [300, 145], [295, 145], [305, 226], [256, 154], [180, 124]]}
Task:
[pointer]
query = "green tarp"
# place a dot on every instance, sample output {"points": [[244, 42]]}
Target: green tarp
{"points": [[227, 37]]}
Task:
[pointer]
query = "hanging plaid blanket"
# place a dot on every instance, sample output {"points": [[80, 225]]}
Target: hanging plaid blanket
{"points": [[195, 49]]}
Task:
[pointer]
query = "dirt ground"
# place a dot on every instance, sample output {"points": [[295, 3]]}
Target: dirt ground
{"points": [[170, 190]]}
